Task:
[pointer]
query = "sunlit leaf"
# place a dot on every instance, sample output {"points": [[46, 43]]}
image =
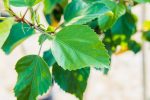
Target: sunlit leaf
{"points": [[78, 46], [5, 27]]}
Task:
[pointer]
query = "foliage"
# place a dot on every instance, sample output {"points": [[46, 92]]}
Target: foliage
{"points": [[85, 38]]}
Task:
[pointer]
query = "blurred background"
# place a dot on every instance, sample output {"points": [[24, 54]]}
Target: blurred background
{"points": [[128, 78]]}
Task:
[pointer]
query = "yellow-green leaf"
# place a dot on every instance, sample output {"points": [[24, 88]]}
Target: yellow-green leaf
{"points": [[5, 27]]}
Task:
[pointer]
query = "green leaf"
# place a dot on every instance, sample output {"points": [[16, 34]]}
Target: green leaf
{"points": [[5, 27], [34, 77], [107, 20], [146, 35], [73, 82], [6, 4], [49, 5], [74, 9], [78, 46], [134, 46], [21, 3], [117, 8], [125, 25], [89, 13], [19, 32], [142, 1], [49, 58], [90, 1], [44, 37]]}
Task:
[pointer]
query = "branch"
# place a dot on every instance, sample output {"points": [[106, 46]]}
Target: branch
{"points": [[18, 19], [25, 13]]}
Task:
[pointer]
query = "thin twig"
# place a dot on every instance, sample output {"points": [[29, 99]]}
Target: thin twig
{"points": [[25, 13], [40, 49]]}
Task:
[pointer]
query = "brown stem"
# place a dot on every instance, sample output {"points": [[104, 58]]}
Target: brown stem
{"points": [[25, 13]]}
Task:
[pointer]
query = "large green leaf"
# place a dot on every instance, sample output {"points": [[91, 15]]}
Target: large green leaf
{"points": [[83, 14], [34, 77], [78, 46], [5, 27], [21, 3], [73, 82], [19, 32]]}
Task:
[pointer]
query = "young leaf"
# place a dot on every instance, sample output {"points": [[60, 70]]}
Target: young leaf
{"points": [[49, 58], [73, 82], [5, 27], [19, 32], [78, 46], [34, 77]]}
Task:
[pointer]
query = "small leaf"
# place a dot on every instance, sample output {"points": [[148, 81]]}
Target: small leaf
{"points": [[34, 77], [146, 35], [73, 82], [50, 29], [78, 46], [44, 37], [49, 58], [5, 27], [19, 32], [125, 25], [134, 46], [146, 25]]}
